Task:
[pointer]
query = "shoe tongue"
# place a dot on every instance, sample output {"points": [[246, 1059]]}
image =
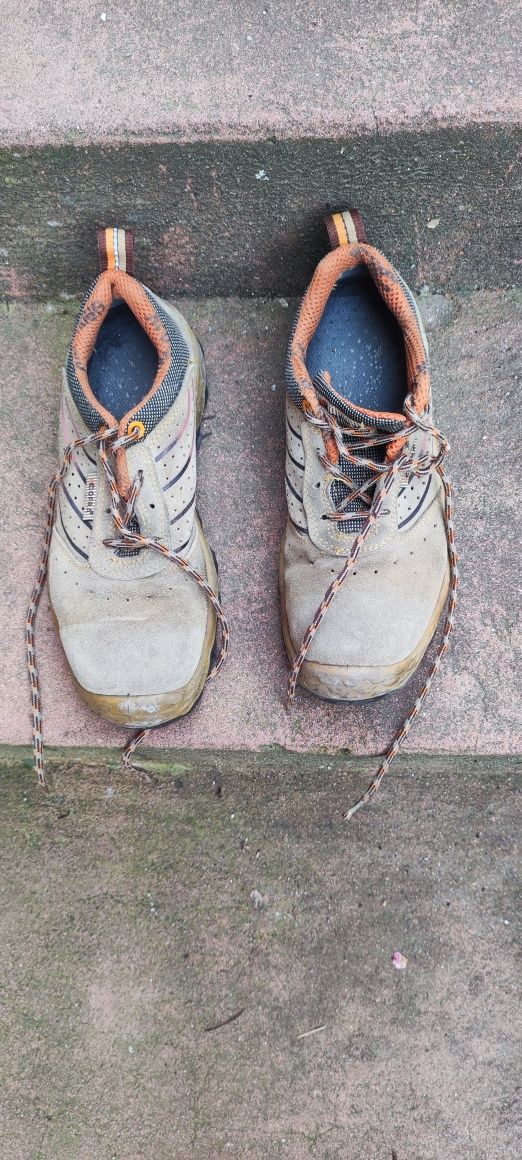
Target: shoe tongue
{"points": [[353, 416], [349, 413]]}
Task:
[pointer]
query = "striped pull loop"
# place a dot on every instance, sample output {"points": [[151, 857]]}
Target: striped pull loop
{"points": [[116, 249], [345, 228]]}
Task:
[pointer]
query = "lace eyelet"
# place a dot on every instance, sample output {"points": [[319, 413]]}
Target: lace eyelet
{"points": [[137, 428]]}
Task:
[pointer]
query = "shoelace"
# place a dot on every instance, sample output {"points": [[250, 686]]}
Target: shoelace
{"points": [[386, 472], [122, 511]]}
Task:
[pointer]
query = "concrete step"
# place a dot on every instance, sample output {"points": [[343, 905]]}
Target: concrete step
{"points": [[224, 136], [474, 706], [128, 932]]}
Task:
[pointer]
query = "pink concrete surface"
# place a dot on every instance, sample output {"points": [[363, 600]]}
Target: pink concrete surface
{"points": [[474, 706], [112, 68]]}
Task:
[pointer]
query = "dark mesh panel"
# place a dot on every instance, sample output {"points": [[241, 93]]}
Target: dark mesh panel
{"points": [[356, 472], [169, 389], [88, 413], [291, 384]]}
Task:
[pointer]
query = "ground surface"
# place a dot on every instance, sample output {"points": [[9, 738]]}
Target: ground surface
{"points": [[124, 68], [199, 965], [246, 217], [223, 133], [127, 930], [475, 704]]}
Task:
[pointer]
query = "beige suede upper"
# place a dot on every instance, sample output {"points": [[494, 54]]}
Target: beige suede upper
{"points": [[385, 606], [133, 624]]}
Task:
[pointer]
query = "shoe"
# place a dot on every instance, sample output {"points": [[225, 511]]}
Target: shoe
{"points": [[138, 634], [368, 561]]}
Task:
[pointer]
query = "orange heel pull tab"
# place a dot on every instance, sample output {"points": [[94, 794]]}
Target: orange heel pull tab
{"points": [[116, 249], [345, 228]]}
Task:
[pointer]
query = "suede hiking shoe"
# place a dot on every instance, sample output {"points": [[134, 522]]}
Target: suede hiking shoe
{"points": [[138, 634], [368, 561]]}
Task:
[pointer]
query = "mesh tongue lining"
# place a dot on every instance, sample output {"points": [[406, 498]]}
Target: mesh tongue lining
{"points": [[352, 416], [352, 413]]}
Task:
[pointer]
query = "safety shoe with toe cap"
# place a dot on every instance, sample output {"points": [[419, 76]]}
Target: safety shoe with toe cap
{"points": [[368, 559], [132, 580]]}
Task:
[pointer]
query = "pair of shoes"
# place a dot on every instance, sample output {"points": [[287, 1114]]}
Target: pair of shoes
{"points": [[368, 499]]}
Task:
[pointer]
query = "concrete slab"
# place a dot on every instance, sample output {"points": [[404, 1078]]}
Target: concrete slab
{"points": [[224, 134], [118, 69], [246, 217], [475, 704], [128, 932]]}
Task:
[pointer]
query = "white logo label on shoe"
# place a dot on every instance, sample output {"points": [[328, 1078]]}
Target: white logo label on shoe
{"points": [[89, 503]]}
